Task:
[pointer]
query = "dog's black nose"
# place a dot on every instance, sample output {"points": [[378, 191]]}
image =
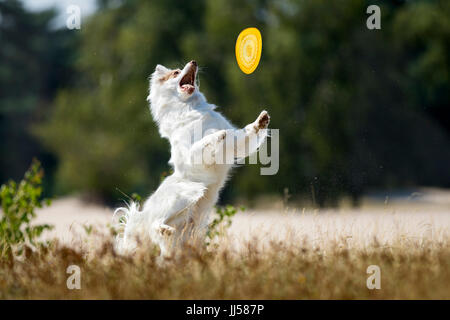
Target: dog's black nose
{"points": [[194, 62]]}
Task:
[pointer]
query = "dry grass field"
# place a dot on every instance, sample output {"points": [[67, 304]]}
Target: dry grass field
{"points": [[283, 254]]}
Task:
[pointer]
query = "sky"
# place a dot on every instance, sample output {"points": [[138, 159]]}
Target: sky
{"points": [[86, 6]]}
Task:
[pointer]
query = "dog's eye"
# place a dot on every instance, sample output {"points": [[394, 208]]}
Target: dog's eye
{"points": [[176, 73]]}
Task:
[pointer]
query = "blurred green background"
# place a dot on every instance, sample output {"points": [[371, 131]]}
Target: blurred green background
{"points": [[357, 109]]}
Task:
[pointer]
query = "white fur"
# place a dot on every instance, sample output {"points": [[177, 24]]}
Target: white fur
{"points": [[179, 209]]}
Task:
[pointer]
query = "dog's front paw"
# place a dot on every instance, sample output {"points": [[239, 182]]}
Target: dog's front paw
{"points": [[214, 139], [220, 135], [213, 146], [262, 122]]}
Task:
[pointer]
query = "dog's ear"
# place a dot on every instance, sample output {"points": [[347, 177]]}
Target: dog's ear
{"points": [[160, 73], [160, 69]]}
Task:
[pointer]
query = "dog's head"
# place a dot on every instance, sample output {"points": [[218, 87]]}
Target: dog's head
{"points": [[176, 83]]}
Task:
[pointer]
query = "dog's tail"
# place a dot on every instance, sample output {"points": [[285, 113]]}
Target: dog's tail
{"points": [[130, 219]]}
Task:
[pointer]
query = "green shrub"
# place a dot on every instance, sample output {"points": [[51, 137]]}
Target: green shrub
{"points": [[18, 203], [223, 219]]}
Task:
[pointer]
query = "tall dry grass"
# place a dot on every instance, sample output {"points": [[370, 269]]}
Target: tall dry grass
{"points": [[324, 260]]}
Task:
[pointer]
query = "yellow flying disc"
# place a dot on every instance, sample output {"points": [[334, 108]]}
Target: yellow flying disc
{"points": [[248, 49]]}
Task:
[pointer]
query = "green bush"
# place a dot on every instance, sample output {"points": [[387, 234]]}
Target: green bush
{"points": [[223, 219], [18, 203]]}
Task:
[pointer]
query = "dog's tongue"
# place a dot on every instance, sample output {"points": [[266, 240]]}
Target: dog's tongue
{"points": [[188, 87]]}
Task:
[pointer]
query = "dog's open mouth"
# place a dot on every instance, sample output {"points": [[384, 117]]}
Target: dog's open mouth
{"points": [[187, 83]]}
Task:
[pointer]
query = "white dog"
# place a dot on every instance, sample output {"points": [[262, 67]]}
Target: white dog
{"points": [[200, 138]]}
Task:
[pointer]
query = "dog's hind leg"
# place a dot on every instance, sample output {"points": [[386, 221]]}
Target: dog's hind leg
{"points": [[163, 234], [166, 230]]}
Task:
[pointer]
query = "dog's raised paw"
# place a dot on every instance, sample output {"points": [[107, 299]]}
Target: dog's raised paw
{"points": [[220, 135], [214, 139], [263, 120]]}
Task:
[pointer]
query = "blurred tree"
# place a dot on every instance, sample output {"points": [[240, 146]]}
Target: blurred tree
{"points": [[422, 32], [101, 128], [356, 108], [334, 89], [34, 63]]}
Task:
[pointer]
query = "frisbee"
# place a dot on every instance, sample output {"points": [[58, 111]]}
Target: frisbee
{"points": [[248, 49]]}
